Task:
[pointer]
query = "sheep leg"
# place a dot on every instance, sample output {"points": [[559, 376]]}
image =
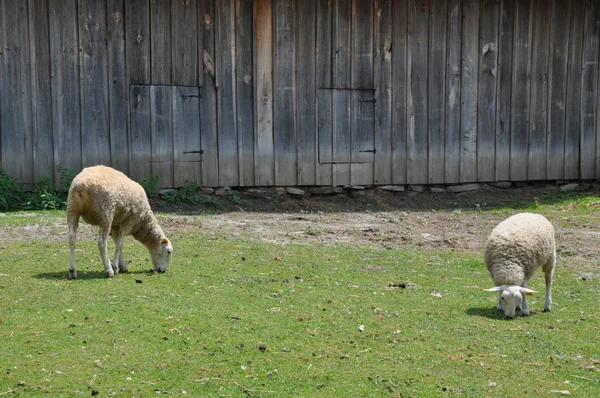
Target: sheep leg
{"points": [[102, 246], [119, 262], [548, 274], [525, 310], [73, 223]]}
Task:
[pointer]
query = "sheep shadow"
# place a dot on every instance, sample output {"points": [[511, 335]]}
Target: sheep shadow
{"points": [[485, 312], [84, 275]]}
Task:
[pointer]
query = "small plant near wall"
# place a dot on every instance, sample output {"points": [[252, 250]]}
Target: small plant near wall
{"points": [[12, 194]]}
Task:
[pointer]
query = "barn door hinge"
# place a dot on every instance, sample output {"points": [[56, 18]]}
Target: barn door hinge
{"points": [[369, 150], [201, 151], [373, 100]]}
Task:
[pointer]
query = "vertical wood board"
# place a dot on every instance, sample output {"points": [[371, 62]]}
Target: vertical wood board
{"points": [[488, 72], [305, 84], [226, 93], [469, 91], [504, 87], [245, 91], [208, 101], [437, 91], [284, 126], [95, 129], [41, 91], [264, 147], [417, 93], [559, 47], [520, 93]]}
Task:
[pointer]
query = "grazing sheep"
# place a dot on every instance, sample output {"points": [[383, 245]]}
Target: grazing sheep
{"points": [[119, 206], [515, 249]]}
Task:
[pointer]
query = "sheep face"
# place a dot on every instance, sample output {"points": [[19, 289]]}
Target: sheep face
{"points": [[161, 256], [511, 298]]}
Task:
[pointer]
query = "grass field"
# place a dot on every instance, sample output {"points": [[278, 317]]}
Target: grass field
{"points": [[240, 317]]}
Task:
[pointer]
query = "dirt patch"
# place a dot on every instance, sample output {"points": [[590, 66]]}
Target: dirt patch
{"points": [[369, 218]]}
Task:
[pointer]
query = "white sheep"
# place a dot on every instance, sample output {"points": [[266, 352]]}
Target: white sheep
{"points": [[107, 198], [515, 249]]}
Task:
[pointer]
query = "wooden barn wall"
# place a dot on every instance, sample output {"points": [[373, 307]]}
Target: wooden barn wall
{"points": [[302, 92]]}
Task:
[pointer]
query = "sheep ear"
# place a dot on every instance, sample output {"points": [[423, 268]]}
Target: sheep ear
{"points": [[496, 289], [164, 241], [527, 292]]}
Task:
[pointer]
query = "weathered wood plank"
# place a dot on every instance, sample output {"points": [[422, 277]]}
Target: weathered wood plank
{"points": [[469, 90], [161, 62], [226, 93], [437, 90], [117, 86], [15, 102], [161, 127], [453, 95], [363, 134], [399, 88], [41, 91], [538, 107], [325, 126], [417, 140], [306, 91], [383, 93], [589, 93], [264, 149], [503, 116], [342, 136], [138, 42], [208, 102], [184, 33], [245, 91], [342, 44], [323, 69], [95, 129], [520, 92], [64, 68], [140, 132], [325, 12], [559, 47], [362, 45], [573, 107], [362, 141], [284, 126], [486, 110], [186, 136]]}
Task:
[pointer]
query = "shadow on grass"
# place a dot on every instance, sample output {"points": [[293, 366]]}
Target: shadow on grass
{"points": [[83, 275], [486, 312]]}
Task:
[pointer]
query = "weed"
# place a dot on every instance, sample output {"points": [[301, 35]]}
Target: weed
{"points": [[12, 194], [150, 185], [235, 197]]}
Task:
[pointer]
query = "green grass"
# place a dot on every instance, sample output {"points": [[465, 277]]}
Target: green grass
{"points": [[234, 317]]}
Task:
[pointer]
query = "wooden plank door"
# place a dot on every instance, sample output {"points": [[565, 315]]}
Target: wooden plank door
{"points": [[166, 134], [346, 130]]}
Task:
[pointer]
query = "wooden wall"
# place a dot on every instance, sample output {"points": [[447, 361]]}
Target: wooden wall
{"points": [[302, 92]]}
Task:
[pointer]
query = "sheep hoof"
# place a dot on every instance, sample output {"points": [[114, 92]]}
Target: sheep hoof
{"points": [[525, 313], [546, 309], [110, 274], [72, 274]]}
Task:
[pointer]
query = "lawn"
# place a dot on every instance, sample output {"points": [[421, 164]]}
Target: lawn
{"points": [[237, 316]]}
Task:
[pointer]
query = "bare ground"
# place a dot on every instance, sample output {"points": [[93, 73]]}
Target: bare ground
{"points": [[370, 218]]}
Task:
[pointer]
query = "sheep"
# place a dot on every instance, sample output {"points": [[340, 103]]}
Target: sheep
{"points": [[515, 249], [107, 198]]}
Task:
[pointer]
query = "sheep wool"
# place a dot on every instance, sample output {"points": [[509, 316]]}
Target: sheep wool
{"points": [[119, 206], [515, 249]]}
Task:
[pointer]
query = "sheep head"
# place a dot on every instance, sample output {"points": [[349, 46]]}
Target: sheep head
{"points": [[161, 255], [511, 298]]}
